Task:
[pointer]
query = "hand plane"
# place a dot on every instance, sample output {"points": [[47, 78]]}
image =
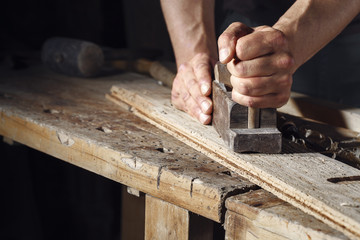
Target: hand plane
{"points": [[242, 128]]}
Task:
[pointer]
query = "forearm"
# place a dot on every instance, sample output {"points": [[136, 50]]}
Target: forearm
{"points": [[310, 24], [191, 27]]}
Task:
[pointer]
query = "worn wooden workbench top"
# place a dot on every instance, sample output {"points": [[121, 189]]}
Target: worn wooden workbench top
{"points": [[69, 118]]}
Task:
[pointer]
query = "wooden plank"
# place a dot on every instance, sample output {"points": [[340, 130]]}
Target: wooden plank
{"points": [[301, 178], [164, 220], [261, 215], [69, 118], [331, 113]]}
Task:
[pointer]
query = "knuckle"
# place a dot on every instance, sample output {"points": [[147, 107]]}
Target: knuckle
{"points": [[201, 66], [183, 67], [190, 82], [286, 61]]}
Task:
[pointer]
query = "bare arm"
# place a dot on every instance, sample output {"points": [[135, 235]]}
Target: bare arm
{"points": [[191, 27], [310, 25], [262, 77]]}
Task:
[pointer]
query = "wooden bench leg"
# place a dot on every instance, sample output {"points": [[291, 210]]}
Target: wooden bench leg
{"points": [[133, 215], [164, 220]]}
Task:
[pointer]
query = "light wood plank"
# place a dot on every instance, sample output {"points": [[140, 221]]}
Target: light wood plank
{"points": [[300, 179], [65, 117], [261, 215]]}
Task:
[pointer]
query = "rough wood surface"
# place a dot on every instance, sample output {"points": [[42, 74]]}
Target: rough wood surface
{"points": [[261, 215], [69, 118], [301, 179]]}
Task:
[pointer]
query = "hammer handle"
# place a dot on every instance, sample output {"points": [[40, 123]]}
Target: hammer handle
{"points": [[161, 71]]}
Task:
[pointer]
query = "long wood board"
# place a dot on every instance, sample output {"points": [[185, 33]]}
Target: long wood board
{"points": [[299, 178]]}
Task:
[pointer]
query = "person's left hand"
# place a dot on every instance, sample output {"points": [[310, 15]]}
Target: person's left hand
{"points": [[260, 63]]}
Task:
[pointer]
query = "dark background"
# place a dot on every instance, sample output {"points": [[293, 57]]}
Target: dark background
{"points": [[26, 24], [43, 197]]}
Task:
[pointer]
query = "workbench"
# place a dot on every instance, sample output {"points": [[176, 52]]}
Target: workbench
{"points": [[183, 193]]}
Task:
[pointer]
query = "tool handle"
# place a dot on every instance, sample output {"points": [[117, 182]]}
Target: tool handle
{"points": [[164, 72], [253, 117], [160, 71]]}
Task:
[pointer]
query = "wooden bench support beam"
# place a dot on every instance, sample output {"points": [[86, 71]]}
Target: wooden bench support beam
{"points": [[132, 214], [164, 220]]}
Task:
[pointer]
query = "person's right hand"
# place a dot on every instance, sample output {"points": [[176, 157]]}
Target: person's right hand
{"points": [[192, 88]]}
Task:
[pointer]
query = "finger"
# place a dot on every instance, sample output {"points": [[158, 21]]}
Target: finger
{"points": [[260, 43], [266, 101], [202, 70], [181, 94], [190, 106], [259, 86], [227, 40], [193, 88], [262, 66]]}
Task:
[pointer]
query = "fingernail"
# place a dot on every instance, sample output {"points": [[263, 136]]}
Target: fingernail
{"points": [[205, 105], [204, 118], [204, 88], [223, 54]]}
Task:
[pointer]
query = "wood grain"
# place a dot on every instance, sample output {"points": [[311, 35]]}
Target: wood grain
{"points": [[261, 215], [300, 179], [69, 118]]}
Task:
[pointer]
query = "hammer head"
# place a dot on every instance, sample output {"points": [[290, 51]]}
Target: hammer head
{"points": [[230, 120], [72, 57]]}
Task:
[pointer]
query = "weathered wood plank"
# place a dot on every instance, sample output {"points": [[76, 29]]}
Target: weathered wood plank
{"points": [[69, 118], [301, 179], [261, 215]]}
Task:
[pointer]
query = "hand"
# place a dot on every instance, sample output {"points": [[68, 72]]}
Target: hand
{"points": [[260, 63], [192, 87]]}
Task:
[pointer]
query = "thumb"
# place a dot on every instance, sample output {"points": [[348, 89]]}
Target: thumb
{"points": [[228, 39]]}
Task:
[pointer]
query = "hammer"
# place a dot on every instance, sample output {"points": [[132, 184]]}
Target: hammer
{"points": [[80, 58]]}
